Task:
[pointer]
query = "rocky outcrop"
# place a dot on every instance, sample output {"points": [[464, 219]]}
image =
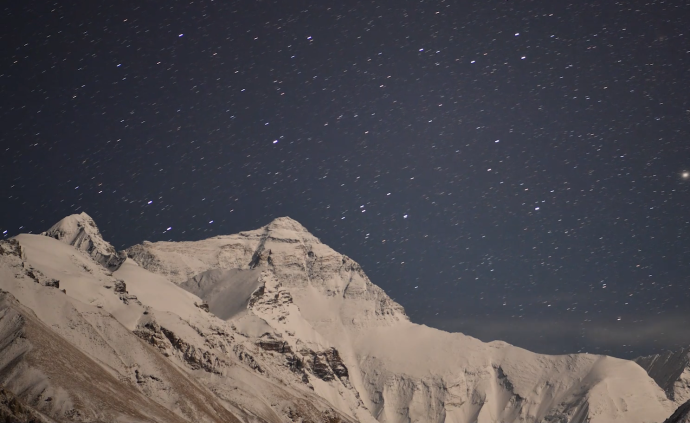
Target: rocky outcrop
{"points": [[169, 343], [671, 371], [203, 306], [326, 365], [11, 247], [13, 410], [81, 232], [245, 357], [52, 283], [681, 415], [142, 256], [120, 287], [38, 277], [336, 363], [268, 343]]}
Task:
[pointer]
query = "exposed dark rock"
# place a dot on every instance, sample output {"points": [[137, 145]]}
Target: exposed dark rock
{"points": [[151, 333], [32, 273], [330, 416], [681, 415], [126, 298], [246, 358], [296, 364], [142, 256], [165, 340], [195, 357], [321, 369], [257, 256], [203, 306], [114, 262], [142, 378], [333, 358], [53, 283], [257, 295], [284, 296], [120, 287], [12, 410], [326, 365], [277, 345], [10, 247], [503, 379]]}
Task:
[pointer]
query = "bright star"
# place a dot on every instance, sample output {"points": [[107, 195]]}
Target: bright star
{"points": [[685, 175]]}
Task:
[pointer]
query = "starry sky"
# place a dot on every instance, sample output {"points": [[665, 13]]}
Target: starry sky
{"points": [[512, 170]]}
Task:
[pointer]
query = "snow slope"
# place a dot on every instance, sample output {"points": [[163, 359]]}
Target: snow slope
{"points": [[324, 311]]}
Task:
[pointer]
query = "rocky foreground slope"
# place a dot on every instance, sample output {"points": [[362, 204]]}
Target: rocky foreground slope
{"points": [[268, 325]]}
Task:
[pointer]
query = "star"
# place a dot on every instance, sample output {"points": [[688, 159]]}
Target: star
{"points": [[685, 175]]}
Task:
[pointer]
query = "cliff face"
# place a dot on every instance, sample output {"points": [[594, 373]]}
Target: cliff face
{"points": [[671, 371], [681, 415]]}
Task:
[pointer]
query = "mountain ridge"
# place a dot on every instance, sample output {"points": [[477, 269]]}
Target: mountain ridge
{"points": [[271, 325]]}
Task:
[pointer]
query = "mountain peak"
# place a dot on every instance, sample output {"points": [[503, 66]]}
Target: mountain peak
{"points": [[81, 232], [319, 278], [286, 223]]}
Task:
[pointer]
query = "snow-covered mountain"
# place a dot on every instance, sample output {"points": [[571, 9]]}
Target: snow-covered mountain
{"points": [[81, 232], [269, 325]]}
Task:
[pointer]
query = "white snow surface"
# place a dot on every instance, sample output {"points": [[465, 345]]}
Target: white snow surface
{"points": [[295, 332]]}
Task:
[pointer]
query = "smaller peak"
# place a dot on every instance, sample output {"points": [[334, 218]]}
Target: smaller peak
{"points": [[81, 232], [71, 225]]}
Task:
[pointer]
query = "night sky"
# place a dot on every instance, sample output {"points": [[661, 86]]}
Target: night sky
{"points": [[512, 170]]}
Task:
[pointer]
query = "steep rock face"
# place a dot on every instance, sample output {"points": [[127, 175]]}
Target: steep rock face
{"points": [[80, 231], [681, 415], [671, 371], [343, 332]]}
